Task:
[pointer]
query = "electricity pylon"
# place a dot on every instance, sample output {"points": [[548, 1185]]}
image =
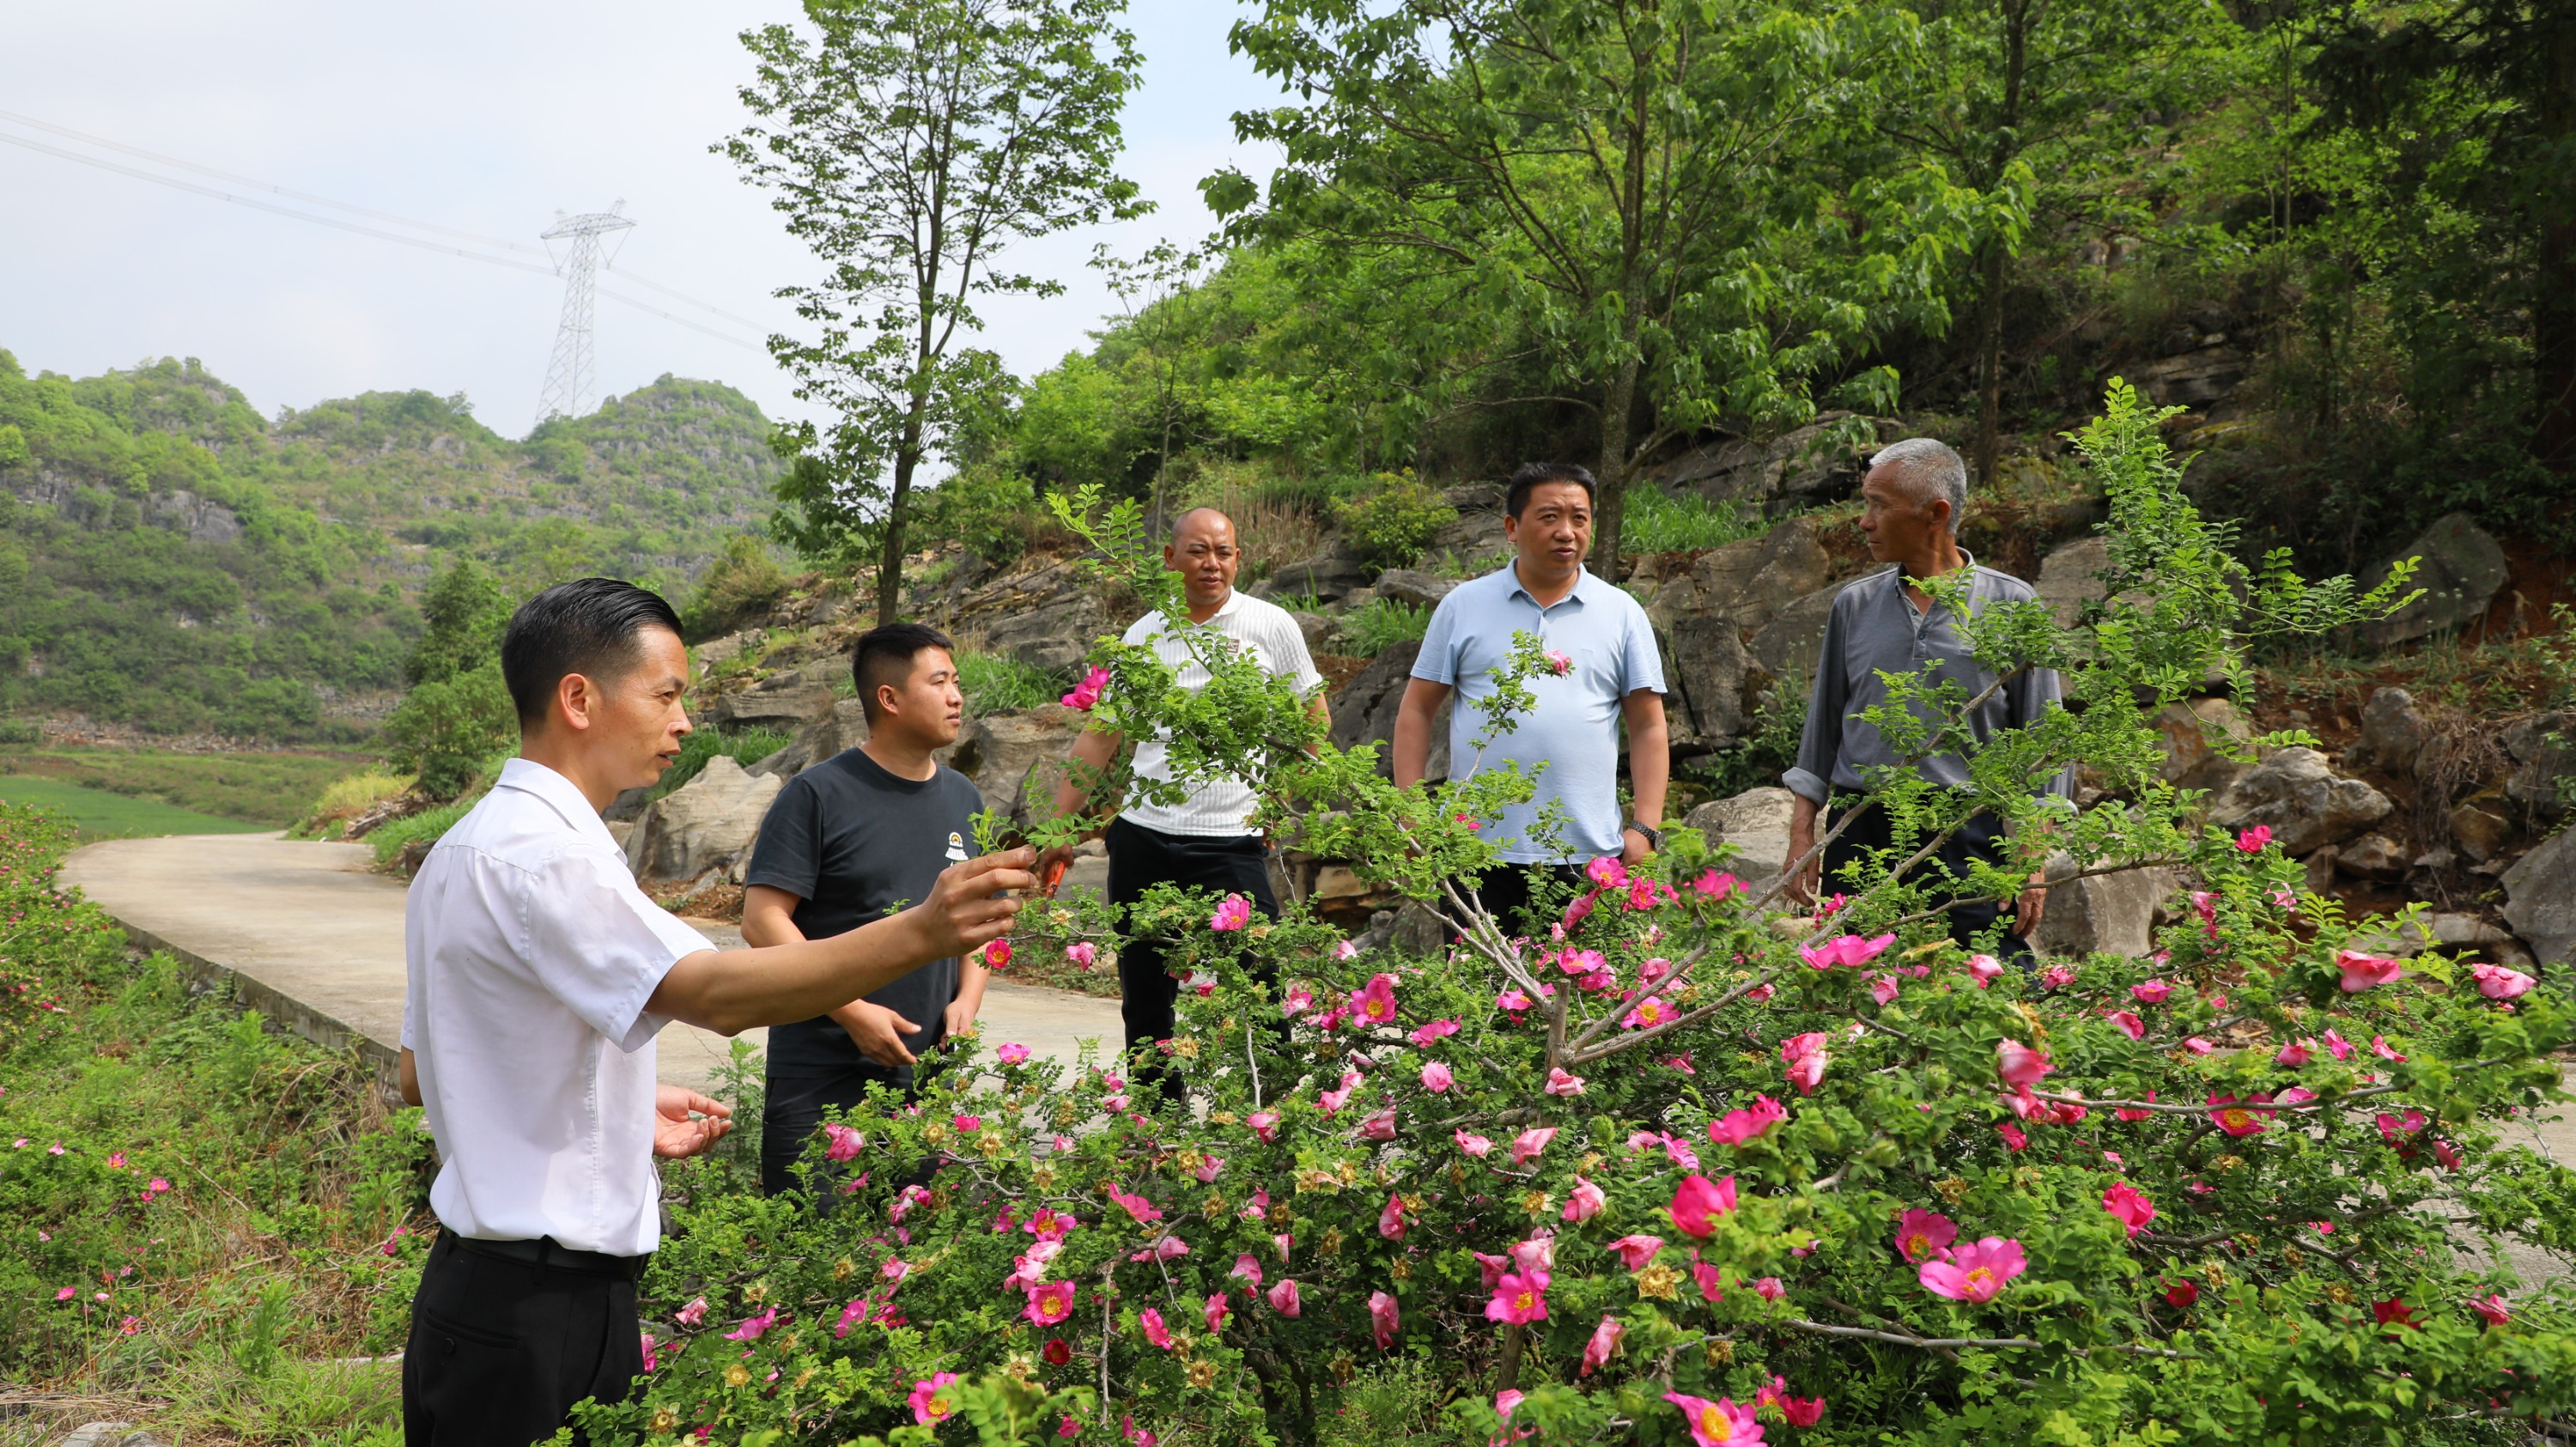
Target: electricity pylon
{"points": [[568, 375]]}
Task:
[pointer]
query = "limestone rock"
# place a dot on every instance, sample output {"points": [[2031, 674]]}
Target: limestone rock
{"points": [[1326, 579], [2480, 828], [2462, 570], [718, 651], [2112, 912], [2540, 899], [2192, 733], [2206, 373], [1405, 585], [2392, 732], [1756, 822], [1320, 632], [1789, 644], [2306, 804], [1747, 580], [1012, 758], [1796, 469], [785, 702], [2069, 578], [845, 727], [1364, 711], [707, 823], [2539, 781], [1715, 684], [2373, 856]]}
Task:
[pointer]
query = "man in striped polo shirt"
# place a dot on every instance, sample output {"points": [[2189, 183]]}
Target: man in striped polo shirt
{"points": [[1206, 841]]}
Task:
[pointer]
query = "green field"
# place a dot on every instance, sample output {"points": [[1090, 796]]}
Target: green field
{"points": [[102, 815], [269, 790]]}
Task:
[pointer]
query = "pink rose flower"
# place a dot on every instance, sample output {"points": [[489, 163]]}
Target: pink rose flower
{"points": [[1384, 1318], [1975, 1274], [2253, 840], [1474, 1145], [1232, 913], [1379, 1127], [1607, 872], [2151, 992], [1283, 1298], [1698, 1201], [1087, 692], [1636, 1251], [1585, 1203], [1603, 1345], [1151, 1321], [1519, 1298], [1738, 1126], [753, 1326], [1049, 1303], [2361, 971], [1436, 1078], [1717, 1424], [692, 1314], [1849, 950], [2019, 1064], [2498, 983], [1921, 1234], [2126, 1202], [1012, 1054], [2129, 1023], [1561, 1083], [1985, 968], [1264, 1123], [1436, 1030], [2239, 1120], [1527, 1145], [1649, 1013], [845, 1143], [1717, 886], [1375, 1001], [2013, 1136], [2294, 1054], [927, 1409], [2492, 1307]]}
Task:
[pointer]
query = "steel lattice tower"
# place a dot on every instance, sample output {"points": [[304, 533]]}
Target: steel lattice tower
{"points": [[568, 375]]}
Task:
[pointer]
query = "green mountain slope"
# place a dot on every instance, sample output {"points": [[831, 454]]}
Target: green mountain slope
{"points": [[172, 561]]}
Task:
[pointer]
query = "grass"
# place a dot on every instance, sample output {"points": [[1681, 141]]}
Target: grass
{"points": [[98, 814], [998, 683], [1656, 522], [361, 790], [1384, 623], [269, 790], [745, 746], [428, 824], [224, 1321]]}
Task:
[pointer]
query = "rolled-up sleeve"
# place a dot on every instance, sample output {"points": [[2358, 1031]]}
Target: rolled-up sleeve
{"points": [[598, 945], [1820, 746]]}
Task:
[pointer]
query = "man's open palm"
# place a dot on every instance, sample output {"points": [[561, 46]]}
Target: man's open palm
{"points": [[675, 1134]]}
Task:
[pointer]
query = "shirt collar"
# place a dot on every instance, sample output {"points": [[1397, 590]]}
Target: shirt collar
{"points": [[1233, 604], [1586, 590], [557, 793]]}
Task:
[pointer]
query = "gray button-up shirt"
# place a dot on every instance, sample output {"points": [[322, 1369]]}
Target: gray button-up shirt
{"points": [[1875, 628]]}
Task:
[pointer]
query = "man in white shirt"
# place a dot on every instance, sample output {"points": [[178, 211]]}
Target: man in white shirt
{"points": [[538, 977], [1207, 841]]}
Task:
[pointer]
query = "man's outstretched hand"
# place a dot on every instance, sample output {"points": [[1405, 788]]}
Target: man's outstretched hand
{"points": [[675, 1134], [972, 904]]}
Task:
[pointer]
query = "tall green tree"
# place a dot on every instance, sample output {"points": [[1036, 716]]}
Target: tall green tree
{"points": [[1643, 189], [909, 143], [2043, 105]]}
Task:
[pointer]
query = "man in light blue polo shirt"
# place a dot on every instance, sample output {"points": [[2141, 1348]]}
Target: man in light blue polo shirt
{"points": [[1617, 675]]}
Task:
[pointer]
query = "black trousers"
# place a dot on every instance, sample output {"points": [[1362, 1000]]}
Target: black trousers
{"points": [[1980, 840], [1508, 892], [500, 1351], [792, 1107], [1140, 858]]}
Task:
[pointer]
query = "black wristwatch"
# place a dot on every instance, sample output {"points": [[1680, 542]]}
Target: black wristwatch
{"points": [[1654, 837]]}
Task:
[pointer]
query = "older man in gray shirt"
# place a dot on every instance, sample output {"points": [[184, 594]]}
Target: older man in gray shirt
{"points": [[1888, 624]]}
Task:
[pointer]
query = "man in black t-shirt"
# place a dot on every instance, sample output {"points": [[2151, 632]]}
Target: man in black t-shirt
{"points": [[849, 840]]}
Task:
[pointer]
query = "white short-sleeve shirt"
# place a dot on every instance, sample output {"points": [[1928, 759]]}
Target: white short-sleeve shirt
{"points": [[531, 954], [1221, 810]]}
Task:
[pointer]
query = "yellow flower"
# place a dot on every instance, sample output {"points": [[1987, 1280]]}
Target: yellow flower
{"points": [[842, 1269], [665, 1420], [1951, 1189], [738, 1375], [1223, 1117], [1535, 1202], [1400, 1269], [1658, 1280], [1721, 1352], [1333, 1241], [1202, 1374]]}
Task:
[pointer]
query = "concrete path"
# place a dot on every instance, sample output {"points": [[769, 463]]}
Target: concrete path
{"points": [[316, 940]]}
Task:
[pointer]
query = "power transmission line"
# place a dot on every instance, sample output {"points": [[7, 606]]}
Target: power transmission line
{"points": [[291, 213]]}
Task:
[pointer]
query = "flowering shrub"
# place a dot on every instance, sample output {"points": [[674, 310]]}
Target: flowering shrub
{"points": [[1689, 1167]]}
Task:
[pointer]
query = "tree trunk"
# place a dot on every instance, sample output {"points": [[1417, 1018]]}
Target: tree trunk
{"points": [[1993, 269], [907, 457], [1610, 505]]}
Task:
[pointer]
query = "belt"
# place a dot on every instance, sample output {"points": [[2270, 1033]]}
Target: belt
{"points": [[546, 1254]]}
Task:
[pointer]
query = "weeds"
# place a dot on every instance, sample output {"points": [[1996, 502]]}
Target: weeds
{"points": [[1657, 522], [999, 683], [1384, 623]]}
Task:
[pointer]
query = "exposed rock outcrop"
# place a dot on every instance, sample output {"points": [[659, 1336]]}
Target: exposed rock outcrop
{"points": [[1797, 469], [2069, 577], [2302, 800], [2199, 737], [1713, 684], [2112, 912], [1748, 580], [1013, 757], [1756, 822], [706, 824], [2540, 899], [2462, 570], [1364, 711], [2393, 732], [785, 702]]}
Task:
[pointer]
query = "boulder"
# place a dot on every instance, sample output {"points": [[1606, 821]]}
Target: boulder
{"points": [[2206, 373], [1320, 632], [2304, 802], [1326, 579], [2393, 732], [2070, 577], [1747, 580], [2541, 765], [2193, 735], [1756, 822], [706, 824], [718, 651], [2372, 856], [1715, 685], [1364, 711], [845, 727], [1405, 585], [1795, 470], [2540, 899], [1788, 645], [2113, 913], [1012, 757], [785, 702], [2480, 826], [2462, 570]]}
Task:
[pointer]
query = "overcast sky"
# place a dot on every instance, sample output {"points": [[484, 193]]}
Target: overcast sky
{"points": [[486, 117]]}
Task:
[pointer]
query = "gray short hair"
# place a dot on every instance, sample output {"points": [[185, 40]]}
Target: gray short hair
{"points": [[1929, 468]]}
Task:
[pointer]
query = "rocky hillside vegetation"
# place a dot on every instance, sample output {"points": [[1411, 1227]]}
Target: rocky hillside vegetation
{"points": [[172, 563]]}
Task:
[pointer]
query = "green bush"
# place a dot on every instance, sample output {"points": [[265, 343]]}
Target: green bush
{"points": [[429, 824], [740, 586], [992, 510], [999, 683], [447, 731], [1395, 520], [1384, 623], [1656, 522]]}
